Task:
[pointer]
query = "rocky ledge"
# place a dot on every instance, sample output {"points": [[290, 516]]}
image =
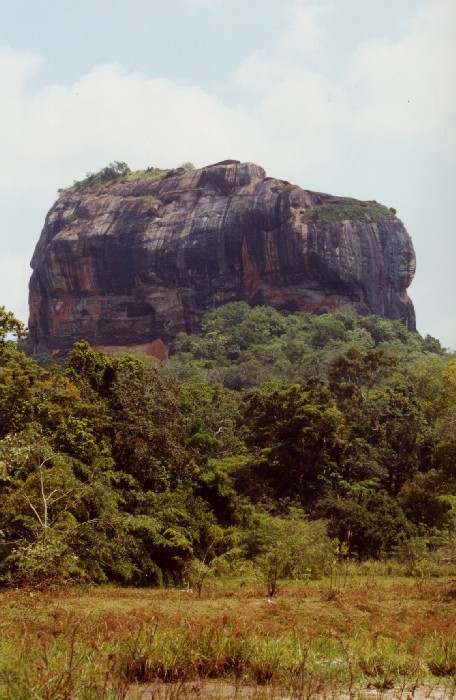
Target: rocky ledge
{"points": [[134, 260]]}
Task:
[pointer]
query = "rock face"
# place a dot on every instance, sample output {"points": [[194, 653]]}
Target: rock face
{"points": [[136, 260]]}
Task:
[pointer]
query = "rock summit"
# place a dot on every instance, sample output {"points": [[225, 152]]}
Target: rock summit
{"points": [[136, 259]]}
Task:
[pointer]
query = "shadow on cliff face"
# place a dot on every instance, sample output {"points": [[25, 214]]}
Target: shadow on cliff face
{"points": [[143, 256]]}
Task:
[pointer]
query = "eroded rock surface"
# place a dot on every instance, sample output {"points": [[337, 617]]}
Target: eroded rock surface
{"points": [[139, 259]]}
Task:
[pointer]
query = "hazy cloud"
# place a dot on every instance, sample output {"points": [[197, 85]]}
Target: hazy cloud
{"points": [[21, 65], [296, 108], [306, 31], [108, 114], [14, 276], [204, 3], [445, 331], [407, 87]]}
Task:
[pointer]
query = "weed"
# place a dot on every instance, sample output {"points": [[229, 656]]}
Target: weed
{"points": [[385, 662], [441, 657], [267, 659], [104, 642]]}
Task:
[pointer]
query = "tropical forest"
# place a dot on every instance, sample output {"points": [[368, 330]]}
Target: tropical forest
{"points": [[273, 454]]}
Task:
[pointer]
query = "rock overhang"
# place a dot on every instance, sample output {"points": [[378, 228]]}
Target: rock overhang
{"points": [[138, 259]]}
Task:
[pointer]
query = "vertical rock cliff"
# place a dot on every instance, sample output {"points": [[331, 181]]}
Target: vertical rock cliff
{"points": [[133, 261]]}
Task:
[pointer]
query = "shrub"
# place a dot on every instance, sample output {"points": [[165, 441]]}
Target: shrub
{"points": [[347, 209]]}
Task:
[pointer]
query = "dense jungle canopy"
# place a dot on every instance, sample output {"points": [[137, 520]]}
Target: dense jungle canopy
{"points": [[266, 437]]}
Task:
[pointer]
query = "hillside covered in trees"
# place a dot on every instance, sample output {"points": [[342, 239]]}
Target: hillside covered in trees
{"points": [[269, 439]]}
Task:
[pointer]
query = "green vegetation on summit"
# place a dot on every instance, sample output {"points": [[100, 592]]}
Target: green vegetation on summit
{"points": [[347, 209], [118, 171], [135, 258]]}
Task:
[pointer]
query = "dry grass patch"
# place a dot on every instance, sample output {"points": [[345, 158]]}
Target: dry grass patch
{"points": [[98, 643]]}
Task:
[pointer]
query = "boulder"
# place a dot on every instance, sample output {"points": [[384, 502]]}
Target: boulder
{"points": [[135, 260]]}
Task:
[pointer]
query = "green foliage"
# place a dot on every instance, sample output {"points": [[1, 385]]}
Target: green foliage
{"points": [[347, 209], [213, 414], [120, 172], [445, 449], [10, 327], [109, 173], [41, 501], [150, 174], [369, 521], [242, 347], [423, 504], [295, 435], [146, 198], [288, 547], [257, 440]]}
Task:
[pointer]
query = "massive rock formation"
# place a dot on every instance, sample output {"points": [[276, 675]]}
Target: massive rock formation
{"points": [[135, 260]]}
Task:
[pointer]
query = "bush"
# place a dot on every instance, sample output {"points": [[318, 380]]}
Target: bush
{"points": [[113, 171]]}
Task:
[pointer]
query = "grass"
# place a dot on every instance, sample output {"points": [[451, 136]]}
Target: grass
{"points": [[95, 181], [147, 199], [150, 175], [347, 209], [103, 642]]}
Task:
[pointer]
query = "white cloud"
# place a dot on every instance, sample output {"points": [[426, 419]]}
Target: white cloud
{"points": [[204, 3], [305, 32], [62, 131], [14, 275], [20, 66], [401, 88], [445, 330], [298, 109], [407, 86], [296, 113], [59, 132]]}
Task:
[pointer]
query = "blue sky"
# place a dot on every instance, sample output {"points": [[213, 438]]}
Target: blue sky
{"points": [[351, 97]]}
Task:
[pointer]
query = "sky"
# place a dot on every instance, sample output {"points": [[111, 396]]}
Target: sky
{"points": [[352, 97]]}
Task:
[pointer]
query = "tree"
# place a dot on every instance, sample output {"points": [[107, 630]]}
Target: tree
{"points": [[423, 504], [214, 412], [288, 547], [40, 507], [395, 426], [201, 567], [10, 327], [426, 375], [445, 449], [295, 433], [386, 434], [367, 520], [188, 165], [355, 371], [113, 171]]}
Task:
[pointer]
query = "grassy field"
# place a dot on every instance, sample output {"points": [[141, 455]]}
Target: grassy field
{"points": [[381, 636]]}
